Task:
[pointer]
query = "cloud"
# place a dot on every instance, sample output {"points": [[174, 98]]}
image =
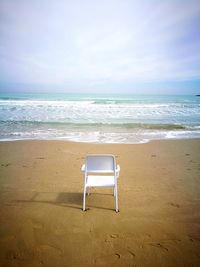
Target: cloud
{"points": [[94, 42]]}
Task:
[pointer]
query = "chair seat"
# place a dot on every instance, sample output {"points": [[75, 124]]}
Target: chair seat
{"points": [[101, 181]]}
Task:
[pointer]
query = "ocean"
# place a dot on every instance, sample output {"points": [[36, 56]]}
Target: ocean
{"points": [[98, 118]]}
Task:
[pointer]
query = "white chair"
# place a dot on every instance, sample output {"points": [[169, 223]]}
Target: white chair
{"points": [[100, 170]]}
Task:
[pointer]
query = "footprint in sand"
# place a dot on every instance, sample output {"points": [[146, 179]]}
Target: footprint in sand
{"points": [[6, 165], [15, 255], [158, 245], [174, 204], [194, 237], [114, 236], [107, 259], [110, 237], [118, 255], [50, 249], [131, 253]]}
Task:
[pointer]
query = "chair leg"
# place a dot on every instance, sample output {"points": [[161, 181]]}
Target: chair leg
{"points": [[116, 200], [88, 191], [84, 195]]}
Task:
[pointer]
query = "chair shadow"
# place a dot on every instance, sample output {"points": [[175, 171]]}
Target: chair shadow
{"points": [[70, 198], [65, 199]]}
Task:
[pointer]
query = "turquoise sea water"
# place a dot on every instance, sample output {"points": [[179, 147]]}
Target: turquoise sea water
{"points": [[98, 118]]}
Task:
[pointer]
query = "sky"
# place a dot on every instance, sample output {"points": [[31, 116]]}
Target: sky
{"points": [[116, 46]]}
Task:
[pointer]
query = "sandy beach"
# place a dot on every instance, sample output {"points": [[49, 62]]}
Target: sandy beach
{"points": [[42, 222]]}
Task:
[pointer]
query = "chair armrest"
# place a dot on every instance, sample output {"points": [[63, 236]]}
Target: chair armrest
{"points": [[83, 168], [118, 170]]}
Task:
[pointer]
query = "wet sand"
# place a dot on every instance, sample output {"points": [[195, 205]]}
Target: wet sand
{"points": [[42, 222]]}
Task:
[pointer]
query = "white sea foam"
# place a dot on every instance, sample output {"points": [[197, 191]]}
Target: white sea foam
{"points": [[101, 137], [100, 119], [85, 111]]}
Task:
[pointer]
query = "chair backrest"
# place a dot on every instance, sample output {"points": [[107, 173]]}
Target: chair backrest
{"points": [[100, 163]]}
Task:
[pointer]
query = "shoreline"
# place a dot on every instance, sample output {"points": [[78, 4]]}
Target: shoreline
{"points": [[98, 143], [42, 224]]}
